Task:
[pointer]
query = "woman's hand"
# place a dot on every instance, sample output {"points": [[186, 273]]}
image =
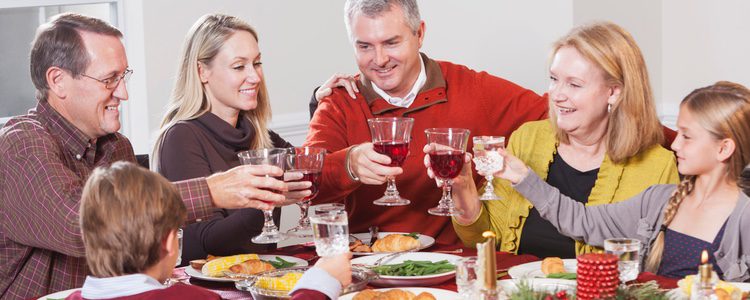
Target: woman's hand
{"points": [[349, 82], [514, 170], [464, 190]]}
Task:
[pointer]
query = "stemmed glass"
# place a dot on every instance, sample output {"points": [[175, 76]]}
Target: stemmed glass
{"points": [[488, 161], [447, 160], [309, 162], [391, 136], [275, 157]]}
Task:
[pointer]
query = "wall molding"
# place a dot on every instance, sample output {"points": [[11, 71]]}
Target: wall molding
{"points": [[292, 127]]}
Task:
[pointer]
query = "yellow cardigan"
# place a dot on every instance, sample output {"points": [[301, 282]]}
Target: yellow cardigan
{"points": [[535, 144]]}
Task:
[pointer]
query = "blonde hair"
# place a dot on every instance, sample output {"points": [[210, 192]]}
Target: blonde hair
{"points": [[633, 125], [723, 109], [126, 212], [188, 100]]}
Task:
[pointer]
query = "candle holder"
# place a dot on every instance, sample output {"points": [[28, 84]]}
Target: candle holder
{"points": [[705, 282]]}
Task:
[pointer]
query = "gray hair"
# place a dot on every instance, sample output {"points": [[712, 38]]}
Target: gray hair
{"points": [[375, 8], [58, 43]]}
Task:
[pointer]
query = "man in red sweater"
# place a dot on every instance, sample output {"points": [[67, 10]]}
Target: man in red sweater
{"points": [[397, 80]]}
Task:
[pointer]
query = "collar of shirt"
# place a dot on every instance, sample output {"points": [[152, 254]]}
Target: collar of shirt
{"points": [[72, 138], [409, 98], [119, 286]]}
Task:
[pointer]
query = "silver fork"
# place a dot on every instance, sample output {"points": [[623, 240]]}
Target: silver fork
{"points": [[389, 257]]}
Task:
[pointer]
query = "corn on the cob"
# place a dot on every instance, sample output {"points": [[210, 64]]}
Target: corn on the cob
{"points": [[283, 283], [216, 267]]}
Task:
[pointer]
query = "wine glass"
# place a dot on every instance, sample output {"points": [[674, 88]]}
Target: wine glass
{"points": [[391, 136], [309, 162], [275, 157], [447, 160], [488, 161]]}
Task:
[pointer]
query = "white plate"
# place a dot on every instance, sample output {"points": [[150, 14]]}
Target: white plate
{"points": [[551, 285], [679, 294], [534, 269], [197, 273], [425, 280], [59, 295], [424, 241], [439, 294]]}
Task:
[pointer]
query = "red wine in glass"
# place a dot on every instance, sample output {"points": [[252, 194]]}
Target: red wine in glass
{"points": [[312, 176], [397, 151], [447, 164]]}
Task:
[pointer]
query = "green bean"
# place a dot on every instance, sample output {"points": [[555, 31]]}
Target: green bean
{"points": [[415, 268]]}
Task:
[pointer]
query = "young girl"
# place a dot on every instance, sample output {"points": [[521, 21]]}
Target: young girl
{"points": [[707, 210]]}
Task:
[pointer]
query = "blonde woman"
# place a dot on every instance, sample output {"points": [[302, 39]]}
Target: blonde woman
{"points": [[600, 145], [707, 210], [219, 106]]}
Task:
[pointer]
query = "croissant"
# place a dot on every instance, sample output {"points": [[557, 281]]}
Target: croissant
{"points": [[395, 243], [252, 266], [395, 294], [424, 296], [552, 265]]}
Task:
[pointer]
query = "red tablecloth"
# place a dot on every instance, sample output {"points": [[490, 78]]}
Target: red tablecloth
{"points": [[504, 261]]}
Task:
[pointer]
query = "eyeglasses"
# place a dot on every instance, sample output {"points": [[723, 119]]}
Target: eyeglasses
{"points": [[112, 82]]}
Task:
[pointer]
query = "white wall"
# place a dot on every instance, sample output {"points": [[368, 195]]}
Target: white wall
{"points": [[687, 44], [304, 42]]}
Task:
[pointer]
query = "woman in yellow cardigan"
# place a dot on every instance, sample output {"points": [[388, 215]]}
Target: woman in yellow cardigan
{"points": [[600, 145]]}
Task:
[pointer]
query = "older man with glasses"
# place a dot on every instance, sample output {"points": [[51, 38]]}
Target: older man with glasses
{"points": [[47, 155]]}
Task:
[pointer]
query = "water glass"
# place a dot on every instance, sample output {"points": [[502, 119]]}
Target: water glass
{"points": [[488, 161], [179, 253], [466, 277], [330, 229], [628, 251]]}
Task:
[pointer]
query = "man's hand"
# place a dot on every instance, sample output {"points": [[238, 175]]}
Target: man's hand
{"points": [[371, 167], [247, 187], [339, 266], [349, 82]]}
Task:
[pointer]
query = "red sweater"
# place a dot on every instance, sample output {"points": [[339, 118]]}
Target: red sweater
{"points": [[453, 96], [177, 291]]}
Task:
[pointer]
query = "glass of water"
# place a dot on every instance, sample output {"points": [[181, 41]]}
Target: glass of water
{"points": [[629, 253], [466, 277], [488, 161], [179, 253], [330, 229]]}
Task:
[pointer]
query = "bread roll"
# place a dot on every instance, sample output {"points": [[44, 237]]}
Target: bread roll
{"points": [[424, 296], [366, 295], [252, 266], [395, 243], [552, 265], [395, 294]]}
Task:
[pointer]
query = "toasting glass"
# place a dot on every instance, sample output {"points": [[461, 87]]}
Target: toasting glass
{"points": [[488, 161], [275, 157], [447, 160], [309, 162], [391, 136]]}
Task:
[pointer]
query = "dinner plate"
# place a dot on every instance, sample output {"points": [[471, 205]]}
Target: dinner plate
{"points": [[550, 285], [59, 295], [425, 280], [678, 293], [424, 241], [439, 294], [534, 269], [197, 273]]}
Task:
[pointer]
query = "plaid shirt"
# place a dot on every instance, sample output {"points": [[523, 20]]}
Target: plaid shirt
{"points": [[44, 163]]}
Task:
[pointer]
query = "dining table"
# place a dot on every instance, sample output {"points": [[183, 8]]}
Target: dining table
{"points": [[504, 261]]}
